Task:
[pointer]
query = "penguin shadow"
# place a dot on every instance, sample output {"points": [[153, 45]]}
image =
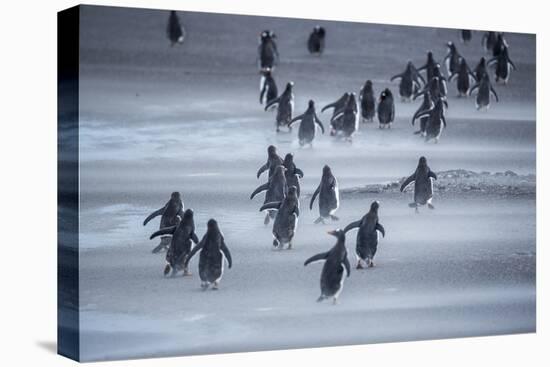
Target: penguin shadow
{"points": [[48, 345]]}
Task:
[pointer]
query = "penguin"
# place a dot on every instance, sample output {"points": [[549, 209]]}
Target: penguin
{"points": [[316, 41], [182, 234], [268, 87], [329, 196], [293, 174], [308, 119], [367, 236], [286, 219], [276, 189], [213, 250], [442, 83], [386, 109], [336, 263], [499, 44], [429, 66], [427, 104], [435, 122], [285, 106], [268, 55], [348, 118], [484, 92], [452, 59], [437, 88], [488, 41], [174, 30], [465, 35], [409, 82], [423, 185], [169, 212], [464, 76], [368, 102], [503, 65], [273, 161], [480, 69], [337, 106]]}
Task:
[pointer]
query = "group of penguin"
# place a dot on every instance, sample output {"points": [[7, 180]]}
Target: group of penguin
{"points": [[347, 111], [282, 189]]}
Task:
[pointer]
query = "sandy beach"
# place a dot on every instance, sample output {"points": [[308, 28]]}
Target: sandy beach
{"points": [[156, 119]]}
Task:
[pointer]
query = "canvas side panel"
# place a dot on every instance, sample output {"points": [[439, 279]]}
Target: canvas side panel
{"points": [[68, 342]]}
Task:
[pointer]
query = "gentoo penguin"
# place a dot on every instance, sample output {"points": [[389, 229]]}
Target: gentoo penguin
{"points": [[386, 109], [499, 44], [276, 189], [437, 87], [465, 35], [316, 41], [268, 56], [484, 91], [293, 174], [268, 87], [174, 30], [429, 66], [503, 65], [213, 250], [480, 69], [337, 106], [427, 104], [488, 41], [285, 106], [286, 219], [423, 184], [452, 59], [367, 236], [273, 161], [464, 76], [336, 262], [172, 209], [409, 82], [180, 246], [348, 118], [435, 122], [306, 132], [368, 102], [329, 196]]}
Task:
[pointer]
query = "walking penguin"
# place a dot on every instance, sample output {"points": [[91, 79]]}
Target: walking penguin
{"points": [[423, 184]]}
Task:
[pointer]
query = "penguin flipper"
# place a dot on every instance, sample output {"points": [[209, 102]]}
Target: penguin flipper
{"points": [[337, 116], [163, 231], [474, 87], [262, 169], [272, 205], [320, 124], [299, 172], [227, 254], [194, 238], [347, 266], [272, 102], [407, 182], [154, 214], [193, 252], [259, 189], [352, 225], [330, 105], [381, 229], [492, 61], [494, 93], [314, 196], [512, 64], [396, 77], [318, 257], [295, 119]]}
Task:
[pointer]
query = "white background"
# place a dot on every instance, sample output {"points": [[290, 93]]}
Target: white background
{"points": [[28, 181]]}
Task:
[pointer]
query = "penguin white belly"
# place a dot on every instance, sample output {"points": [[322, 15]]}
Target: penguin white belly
{"points": [[337, 194], [221, 268], [341, 281]]}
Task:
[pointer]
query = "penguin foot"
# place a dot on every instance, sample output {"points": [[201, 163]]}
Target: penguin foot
{"points": [[204, 286], [335, 301], [158, 248], [334, 217], [166, 269], [289, 247], [187, 273], [359, 266], [275, 243], [266, 220], [370, 263], [321, 298], [216, 286], [431, 206], [319, 220]]}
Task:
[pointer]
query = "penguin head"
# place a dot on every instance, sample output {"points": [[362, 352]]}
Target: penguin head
{"points": [[279, 170], [326, 170], [463, 62], [430, 55], [175, 196], [188, 214], [212, 225], [289, 86], [368, 84], [482, 60], [374, 206], [289, 158], [271, 150], [311, 104], [422, 161], [338, 233]]}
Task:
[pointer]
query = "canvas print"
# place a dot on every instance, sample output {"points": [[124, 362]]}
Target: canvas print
{"points": [[233, 183]]}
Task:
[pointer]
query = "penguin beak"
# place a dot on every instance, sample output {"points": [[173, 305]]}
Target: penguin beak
{"points": [[333, 233]]}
